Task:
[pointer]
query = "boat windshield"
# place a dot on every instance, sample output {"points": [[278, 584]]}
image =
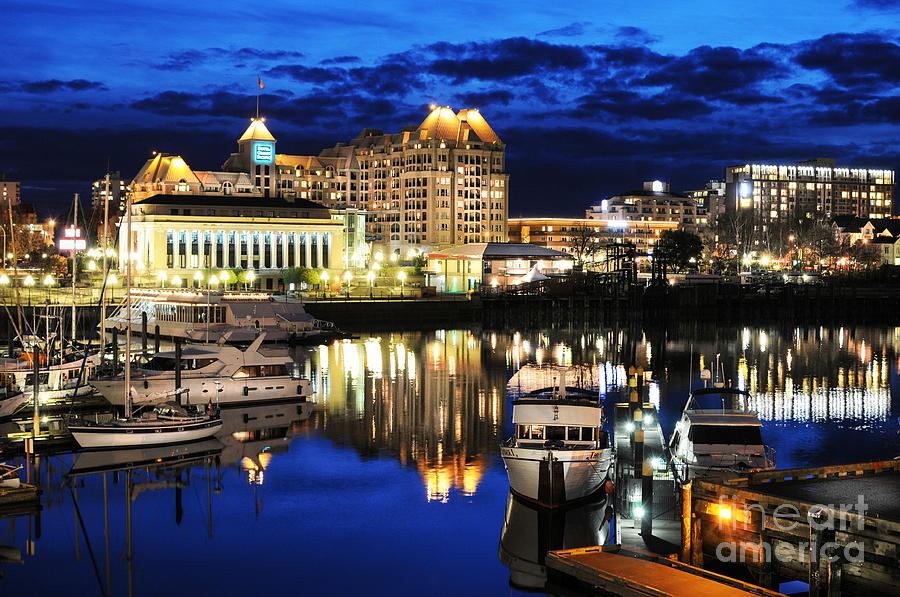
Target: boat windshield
{"points": [[719, 400], [160, 363], [745, 435]]}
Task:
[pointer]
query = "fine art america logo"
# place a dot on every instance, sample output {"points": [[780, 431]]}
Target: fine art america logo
{"points": [[820, 525]]}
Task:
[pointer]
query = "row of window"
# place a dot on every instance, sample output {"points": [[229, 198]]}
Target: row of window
{"points": [[559, 433]]}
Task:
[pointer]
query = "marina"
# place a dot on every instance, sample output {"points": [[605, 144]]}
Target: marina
{"points": [[418, 419]]}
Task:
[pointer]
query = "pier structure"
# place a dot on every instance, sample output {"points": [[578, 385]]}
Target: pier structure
{"points": [[645, 500], [836, 528]]}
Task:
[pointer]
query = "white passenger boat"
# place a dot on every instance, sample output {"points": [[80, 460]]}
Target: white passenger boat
{"points": [[219, 316], [560, 452], [224, 375], [718, 437]]}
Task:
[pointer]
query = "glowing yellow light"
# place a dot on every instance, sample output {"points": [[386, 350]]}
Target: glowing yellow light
{"points": [[48, 280], [176, 281], [4, 279], [161, 276], [28, 281], [724, 512]]}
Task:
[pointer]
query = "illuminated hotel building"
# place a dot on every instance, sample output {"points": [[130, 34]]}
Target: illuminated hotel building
{"points": [[710, 201], [441, 183], [810, 189], [188, 224]]}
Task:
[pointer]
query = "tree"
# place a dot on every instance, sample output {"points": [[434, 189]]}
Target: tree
{"points": [[815, 239], [584, 243], [680, 248], [865, 254]]}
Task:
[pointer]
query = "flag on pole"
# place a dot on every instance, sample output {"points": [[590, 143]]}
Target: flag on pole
{"points": [[259, 80]]}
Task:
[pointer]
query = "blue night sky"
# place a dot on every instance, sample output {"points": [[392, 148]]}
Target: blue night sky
{"points": [[591, 98]]}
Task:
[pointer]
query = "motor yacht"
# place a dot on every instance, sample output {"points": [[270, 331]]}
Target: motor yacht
{"points": [[227, 376], [717, 436], [560, 452], [218, 316]]}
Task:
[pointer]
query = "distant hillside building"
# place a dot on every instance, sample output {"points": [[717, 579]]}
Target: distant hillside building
{"points": [[809, 189]]}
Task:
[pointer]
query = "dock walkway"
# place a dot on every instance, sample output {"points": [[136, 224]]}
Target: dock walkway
{"points": [[631, 574]]}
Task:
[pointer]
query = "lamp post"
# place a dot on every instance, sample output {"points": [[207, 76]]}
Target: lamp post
{"points": [[223, 278], [348, 277], [402, 277], [324, 278], [251, 276], [48, 284], [370, 276], [161, 276], [29, 283], [4, 282], [198, 278]]}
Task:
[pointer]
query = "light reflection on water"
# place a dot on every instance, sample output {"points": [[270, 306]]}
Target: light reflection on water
{"points": [[399, 457]]}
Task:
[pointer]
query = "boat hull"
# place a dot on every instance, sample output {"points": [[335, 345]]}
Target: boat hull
{"points": [[103, 436], [554, 477], [224, 392]]}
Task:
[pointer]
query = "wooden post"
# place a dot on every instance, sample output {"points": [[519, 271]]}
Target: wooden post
{"points": [[816, 582], [696, 542], [686, 511], [647, 499], [177, 369], [766, 564], [144, 333]]}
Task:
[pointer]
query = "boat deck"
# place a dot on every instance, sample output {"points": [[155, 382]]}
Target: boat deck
{"points": [[629, 574]]}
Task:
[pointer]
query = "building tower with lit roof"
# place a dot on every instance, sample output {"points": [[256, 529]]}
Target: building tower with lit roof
{"points": [[256, 157]]}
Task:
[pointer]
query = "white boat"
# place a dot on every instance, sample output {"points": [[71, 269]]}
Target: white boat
{"points": [[9, 476], [58, 382], [219, 316], [530, 531], [717, 437], [560, 452], [170, 423], [224, 375]]}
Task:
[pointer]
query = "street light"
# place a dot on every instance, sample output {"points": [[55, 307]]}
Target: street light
{"points": [[161, 276], [176, 281], [370, 276], [28, 282], [324, 278], [348, 276], [402, 277], [251, 276], [198, 277]]}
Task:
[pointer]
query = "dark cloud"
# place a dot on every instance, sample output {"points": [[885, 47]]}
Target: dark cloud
{"points": [[570, 30], [477, 99], [711, 72], [52, 86], [877, 4], [341, 60], [622, 103], [853, 59], [635, 35], [505, 59], [186, 59]]}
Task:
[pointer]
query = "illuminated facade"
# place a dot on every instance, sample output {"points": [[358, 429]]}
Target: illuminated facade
{"points": [[468, 267], [441, 183], [710, 201], [810, 189], [188, 238], [557, 233]]}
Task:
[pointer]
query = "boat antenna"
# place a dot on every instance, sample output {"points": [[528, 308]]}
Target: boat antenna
{"points": [[691, 371]]}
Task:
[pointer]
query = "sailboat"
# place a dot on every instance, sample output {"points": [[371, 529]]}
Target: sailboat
{"points": [[169, 423]]}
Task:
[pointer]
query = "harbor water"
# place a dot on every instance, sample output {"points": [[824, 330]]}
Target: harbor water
{"points": [[392, 483]]}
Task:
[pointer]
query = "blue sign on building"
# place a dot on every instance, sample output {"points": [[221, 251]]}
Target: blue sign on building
{"points": [[264, 153]]}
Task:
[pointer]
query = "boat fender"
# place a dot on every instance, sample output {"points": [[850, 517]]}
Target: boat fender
{"points": [[246, 417], [609, 486], [607, 516], [146, 384]]}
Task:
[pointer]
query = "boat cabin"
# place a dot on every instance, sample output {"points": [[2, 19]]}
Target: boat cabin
{"points": [[568, 422]]}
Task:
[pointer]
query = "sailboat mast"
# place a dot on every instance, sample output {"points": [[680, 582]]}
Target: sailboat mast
{"points": [[74, 271], [105, 273], [128, 309]]}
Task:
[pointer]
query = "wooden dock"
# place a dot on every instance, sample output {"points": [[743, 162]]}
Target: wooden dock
{"points": [[20, 497], [632, 574], [803, 524]]}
